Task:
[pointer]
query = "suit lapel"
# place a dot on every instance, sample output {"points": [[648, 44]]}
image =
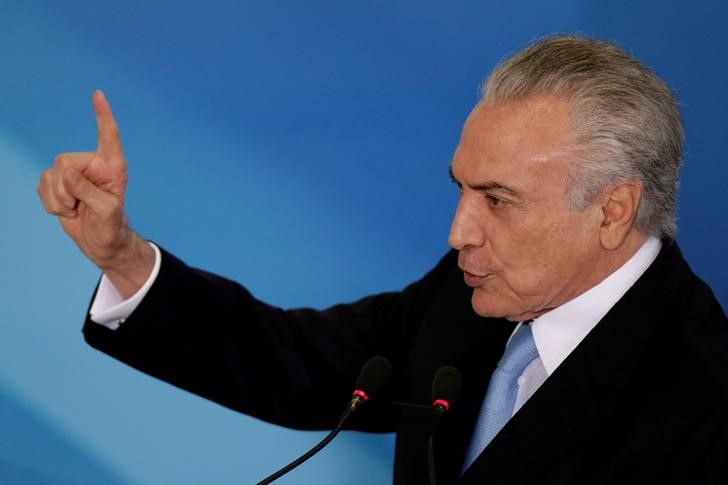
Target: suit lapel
{"points": [[559, 416]]}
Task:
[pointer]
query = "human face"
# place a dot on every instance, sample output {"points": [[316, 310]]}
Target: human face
{"points": [[522, 250]]}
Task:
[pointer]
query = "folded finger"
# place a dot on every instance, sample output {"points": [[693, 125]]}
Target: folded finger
{"points": [[66, 200], [49, 198]]}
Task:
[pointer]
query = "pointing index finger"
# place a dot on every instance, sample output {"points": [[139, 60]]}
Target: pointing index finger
{"points": [[109, 145]]}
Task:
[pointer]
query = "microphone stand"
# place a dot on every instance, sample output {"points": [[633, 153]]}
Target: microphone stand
{"points": [[431, 460], [439, 411], [445, 389], [373, 376], [355, 402]]}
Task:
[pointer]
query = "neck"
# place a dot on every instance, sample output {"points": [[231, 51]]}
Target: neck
{"points": [[614, 259], [610, 260]]}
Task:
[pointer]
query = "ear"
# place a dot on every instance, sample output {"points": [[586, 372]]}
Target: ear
{"points": [[619, 210]]}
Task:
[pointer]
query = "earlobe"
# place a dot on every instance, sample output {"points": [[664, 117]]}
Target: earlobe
{"points": [[619, 210]]}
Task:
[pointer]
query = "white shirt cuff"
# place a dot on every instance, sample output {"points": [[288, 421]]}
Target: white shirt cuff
{"points": [[110, 309]]}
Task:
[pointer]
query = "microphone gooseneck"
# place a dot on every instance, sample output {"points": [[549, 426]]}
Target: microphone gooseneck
{"points": [[374, 375], [445, 389]]}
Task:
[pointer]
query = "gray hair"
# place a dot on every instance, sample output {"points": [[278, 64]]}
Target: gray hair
{"points": [[625, 121]]}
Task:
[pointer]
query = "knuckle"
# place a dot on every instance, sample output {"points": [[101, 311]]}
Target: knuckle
{"points": [[44, 191], [43, 180], [50, 207], [47, 176], [56, 182]]}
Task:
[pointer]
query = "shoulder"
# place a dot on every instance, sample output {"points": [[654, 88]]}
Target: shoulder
{"points": [[694, 327]]}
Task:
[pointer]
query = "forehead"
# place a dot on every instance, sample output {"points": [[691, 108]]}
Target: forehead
{"points": [[513, 140]]}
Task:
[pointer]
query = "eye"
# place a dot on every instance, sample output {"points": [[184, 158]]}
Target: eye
{"points": [[495, 202]]}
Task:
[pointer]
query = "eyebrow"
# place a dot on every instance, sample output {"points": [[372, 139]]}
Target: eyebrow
{"points": [[484, 186]]}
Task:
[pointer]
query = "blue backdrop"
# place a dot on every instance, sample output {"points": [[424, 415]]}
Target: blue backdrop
{"points": [[300, 147]]}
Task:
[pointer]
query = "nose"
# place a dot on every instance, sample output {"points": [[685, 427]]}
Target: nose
{"points": [[466, 231]]}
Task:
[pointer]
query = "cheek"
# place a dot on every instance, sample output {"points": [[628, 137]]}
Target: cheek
{"points": [[567, 245], [525, 249], [543, 253]]}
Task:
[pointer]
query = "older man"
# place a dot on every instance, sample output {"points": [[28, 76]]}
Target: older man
{"points": [[590, 352]]}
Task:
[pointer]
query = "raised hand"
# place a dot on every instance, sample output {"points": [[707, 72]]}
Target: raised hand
{"points": [[86, 191]]}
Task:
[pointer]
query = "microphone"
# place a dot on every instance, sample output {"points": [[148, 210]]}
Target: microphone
{"points": [[373, 376], [445, 389]]}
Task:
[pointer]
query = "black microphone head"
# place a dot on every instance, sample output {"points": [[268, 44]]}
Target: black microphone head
{"points": [[446, 385], [374, 375]]}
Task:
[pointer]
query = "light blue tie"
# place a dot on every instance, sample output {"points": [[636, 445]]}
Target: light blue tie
{"points": [[498, 405]]}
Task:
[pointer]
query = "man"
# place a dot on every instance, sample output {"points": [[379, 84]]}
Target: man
{"points": [[564, 260]]}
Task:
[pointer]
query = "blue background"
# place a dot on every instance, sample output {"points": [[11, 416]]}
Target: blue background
{"points": [[300, 147]]}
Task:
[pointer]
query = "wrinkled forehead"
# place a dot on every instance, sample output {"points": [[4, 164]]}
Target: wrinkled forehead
{"points": [[524, 145], [533, 129]]}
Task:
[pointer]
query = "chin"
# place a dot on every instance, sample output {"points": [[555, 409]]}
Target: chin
{"points": [[486, 305], [490, 306]]}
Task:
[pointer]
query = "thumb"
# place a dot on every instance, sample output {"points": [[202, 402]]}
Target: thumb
{"points": [[84, 190]]}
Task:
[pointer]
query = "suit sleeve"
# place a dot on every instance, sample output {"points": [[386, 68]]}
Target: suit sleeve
{"points": [[296, 368]]}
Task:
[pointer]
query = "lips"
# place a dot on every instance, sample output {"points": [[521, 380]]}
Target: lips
{"points": [[473, 280]]}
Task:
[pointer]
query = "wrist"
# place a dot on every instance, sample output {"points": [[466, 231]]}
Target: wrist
{"points": [[131, 266]]}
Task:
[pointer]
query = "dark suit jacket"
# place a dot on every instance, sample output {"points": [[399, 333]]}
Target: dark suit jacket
{"points": [[643, 399]]}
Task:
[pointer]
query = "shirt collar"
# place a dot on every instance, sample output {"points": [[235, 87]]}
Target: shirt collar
{"points": [[558, 332]]}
